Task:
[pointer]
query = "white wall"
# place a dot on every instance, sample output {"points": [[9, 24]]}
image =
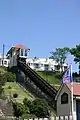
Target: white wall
{"points": [[5, 61], [64, 109], [74, 106], [43, 61]]}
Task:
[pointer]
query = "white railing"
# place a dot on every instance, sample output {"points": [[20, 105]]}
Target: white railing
{"points": [[53, 118], [50, 118]]}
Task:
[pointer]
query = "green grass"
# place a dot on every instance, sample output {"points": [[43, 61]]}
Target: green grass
{"points": [[50, 77], [15, 88]]}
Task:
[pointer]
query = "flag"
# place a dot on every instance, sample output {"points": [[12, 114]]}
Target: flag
{"points": [[67, 76]]}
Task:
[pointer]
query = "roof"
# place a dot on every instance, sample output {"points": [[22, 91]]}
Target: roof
{"points": [[20, 46], [17, 46], [76, 88]]}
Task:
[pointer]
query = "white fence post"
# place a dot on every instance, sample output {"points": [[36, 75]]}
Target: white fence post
{"points": [[66, 118], [57, 118], [61, 118]]}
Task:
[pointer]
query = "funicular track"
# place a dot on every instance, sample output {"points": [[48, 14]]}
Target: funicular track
{"points": [[43, 85]]}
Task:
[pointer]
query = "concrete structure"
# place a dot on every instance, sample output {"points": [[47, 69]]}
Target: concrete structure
{"points": [[17, 51], [63, 99], [44, 64], [4, 62]]}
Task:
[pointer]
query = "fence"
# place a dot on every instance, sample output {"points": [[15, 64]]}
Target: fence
{"points": [[50, 118]]}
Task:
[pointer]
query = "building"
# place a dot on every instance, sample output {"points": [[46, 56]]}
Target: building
{"points": [[44, 64], [4, 61], [38, 64], [63, 99], [17, 51]]}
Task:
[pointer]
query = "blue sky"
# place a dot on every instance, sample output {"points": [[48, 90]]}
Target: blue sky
{"points": [[42, 25]]}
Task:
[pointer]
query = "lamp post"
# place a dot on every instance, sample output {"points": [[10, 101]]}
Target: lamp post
{"points": [[3, 55], [79, 66]]}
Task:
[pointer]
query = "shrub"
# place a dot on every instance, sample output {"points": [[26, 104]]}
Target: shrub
{"points": [[10, 77], [39, 108], [15, 95], [9, 87], [28, 116]]}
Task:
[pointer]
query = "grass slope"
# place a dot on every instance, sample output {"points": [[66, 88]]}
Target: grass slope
{"points": [[50, 77], [15, 88]]}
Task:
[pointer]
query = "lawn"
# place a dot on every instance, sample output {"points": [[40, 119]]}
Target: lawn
{"points": [[50, 77], [15, 88]]}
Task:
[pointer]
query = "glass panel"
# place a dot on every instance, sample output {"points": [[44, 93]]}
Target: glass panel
{"points": [[64, 98], [25, 52], [21, 52], [5, 62], [36, 65]]}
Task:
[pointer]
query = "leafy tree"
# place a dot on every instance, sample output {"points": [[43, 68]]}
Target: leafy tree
{"points": [[39, 108], [76, 53], [60, 55]]}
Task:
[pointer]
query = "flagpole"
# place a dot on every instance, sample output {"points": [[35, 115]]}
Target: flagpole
{"points": [[72, 93]]}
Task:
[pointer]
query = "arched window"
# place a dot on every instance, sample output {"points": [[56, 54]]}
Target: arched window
{"points": [[64, 98]]}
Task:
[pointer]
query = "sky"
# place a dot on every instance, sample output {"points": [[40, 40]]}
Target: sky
{"points": [[41, 25]]}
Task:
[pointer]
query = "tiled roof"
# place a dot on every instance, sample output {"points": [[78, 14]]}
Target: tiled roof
{"points": [[76, 88], [17, 46], [20, 46]]}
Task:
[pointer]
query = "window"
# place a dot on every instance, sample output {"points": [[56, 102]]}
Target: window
{"points": [[46, 66], [36, 65], [5, 62], [21, 52], [41, 65], [57, 67], [25, 52], [28, 64], [64, 98], [11, 53]]}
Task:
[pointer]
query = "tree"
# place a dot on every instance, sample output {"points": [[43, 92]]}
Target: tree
{"points": [[39, 108], [60, 55], [76, 53]]}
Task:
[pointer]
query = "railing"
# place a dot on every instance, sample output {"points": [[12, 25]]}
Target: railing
{"points": [[49, 118], [39, 81]]}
